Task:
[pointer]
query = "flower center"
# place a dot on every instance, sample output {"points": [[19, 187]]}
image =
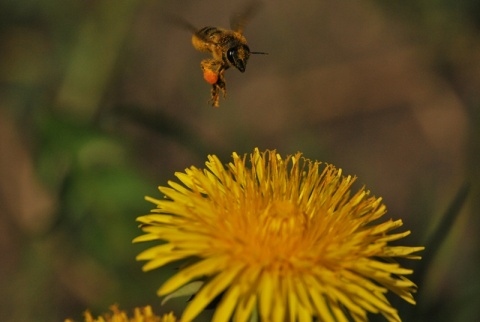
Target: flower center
{"points": [[277, 235], [282, 218]]}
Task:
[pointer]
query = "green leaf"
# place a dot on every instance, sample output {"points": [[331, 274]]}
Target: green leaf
{"points": [[186, 290]]}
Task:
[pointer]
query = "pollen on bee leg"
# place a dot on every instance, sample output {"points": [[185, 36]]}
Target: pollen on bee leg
{"points": [[210, 76]]}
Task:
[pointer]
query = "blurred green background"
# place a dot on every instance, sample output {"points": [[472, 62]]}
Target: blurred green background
{"points": [[102, 101]]}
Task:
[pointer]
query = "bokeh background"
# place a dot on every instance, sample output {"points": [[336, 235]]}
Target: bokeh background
{"points": [[102, 101]]}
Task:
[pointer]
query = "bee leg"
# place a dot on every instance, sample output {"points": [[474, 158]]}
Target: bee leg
{"points": [[221, 83], [213, 74], [214, 96]]}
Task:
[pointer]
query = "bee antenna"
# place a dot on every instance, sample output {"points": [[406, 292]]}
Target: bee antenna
{"points": [[258, 53]]}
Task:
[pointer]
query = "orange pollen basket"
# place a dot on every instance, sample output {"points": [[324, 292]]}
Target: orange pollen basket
{"points": [[210, 76]]}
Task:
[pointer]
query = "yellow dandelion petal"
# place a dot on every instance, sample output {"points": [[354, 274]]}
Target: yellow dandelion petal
{"points": [[266, 294], [284, 238], [245, 306], [208, 292], [346, 300], [176, 187], [191, 272], [279, 300], [301, 290], [321, 308], [160, 261], [144, 238], [304, 315], [292, 302], [155, 251], [155, 219], [337, 312], [399, 251], [226, 307], [140, 314]]}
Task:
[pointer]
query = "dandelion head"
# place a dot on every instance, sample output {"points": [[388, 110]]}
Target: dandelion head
{"points": [[140, 314], [284, 238]]}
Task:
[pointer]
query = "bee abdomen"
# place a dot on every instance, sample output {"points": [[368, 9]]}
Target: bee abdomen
{"points": [[206, 39], [209, 33]]}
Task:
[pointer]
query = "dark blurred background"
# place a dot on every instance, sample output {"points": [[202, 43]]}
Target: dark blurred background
{"points": [[102, 101]]}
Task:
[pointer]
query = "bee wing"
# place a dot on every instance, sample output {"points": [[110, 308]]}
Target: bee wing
{"points": [[180, 22], [184, 24], [240, 19]]}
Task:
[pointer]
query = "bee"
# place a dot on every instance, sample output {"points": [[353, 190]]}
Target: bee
{"points": [[228, 48]]}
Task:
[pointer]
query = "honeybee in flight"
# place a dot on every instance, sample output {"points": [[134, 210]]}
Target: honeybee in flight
{"points": [[228, 48]]}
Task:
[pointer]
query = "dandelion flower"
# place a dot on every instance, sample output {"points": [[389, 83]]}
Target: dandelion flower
{"points": [[281, 238], [144, 314]]}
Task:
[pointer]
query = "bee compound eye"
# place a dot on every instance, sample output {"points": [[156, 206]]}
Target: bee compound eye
{"points": [[231, 55]]}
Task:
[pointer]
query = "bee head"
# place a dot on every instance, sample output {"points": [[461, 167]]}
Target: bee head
{"points": [[237, 56]]}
